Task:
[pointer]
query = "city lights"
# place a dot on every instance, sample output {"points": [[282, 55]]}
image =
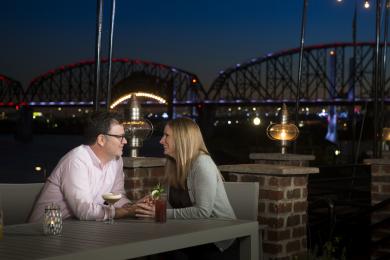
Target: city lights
{"points": [[37, 114], [256, 121]]}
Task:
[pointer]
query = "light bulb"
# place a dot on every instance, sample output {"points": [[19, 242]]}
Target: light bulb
{"points": [[283, 135], [256, 121], [366, 4]]}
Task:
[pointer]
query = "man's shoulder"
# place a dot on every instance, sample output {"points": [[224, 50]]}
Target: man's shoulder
{"points": [[79, 150], [76, 156], [78, 153]]}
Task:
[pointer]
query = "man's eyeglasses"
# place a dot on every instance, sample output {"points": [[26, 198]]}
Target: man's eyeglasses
{"points": [[120, 137]]}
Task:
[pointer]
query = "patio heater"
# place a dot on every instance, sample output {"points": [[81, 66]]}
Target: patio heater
{"points": [[283, 132], [137, 129]]}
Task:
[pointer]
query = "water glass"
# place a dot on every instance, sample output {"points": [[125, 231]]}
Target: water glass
{"points": [[52, 220], [161, 208]]}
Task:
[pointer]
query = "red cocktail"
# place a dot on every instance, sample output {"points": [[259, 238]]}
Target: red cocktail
{"points": [[161, 209]]}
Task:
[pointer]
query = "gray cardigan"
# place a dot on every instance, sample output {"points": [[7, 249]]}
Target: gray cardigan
{"points": [[207, 193]]}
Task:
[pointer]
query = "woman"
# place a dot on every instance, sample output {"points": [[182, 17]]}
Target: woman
{"points": [[196, 188]]}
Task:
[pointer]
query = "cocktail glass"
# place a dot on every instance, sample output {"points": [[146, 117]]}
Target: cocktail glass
{"points": [[161, 208], [111, 198]]}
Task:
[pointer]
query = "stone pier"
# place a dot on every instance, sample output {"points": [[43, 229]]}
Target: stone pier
{"points": [[142, 174], [380, 180], [282, 205], [282, 159]]}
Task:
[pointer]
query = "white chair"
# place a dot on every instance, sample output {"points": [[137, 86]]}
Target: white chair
{"points": [[244, 198], [17, 201]]}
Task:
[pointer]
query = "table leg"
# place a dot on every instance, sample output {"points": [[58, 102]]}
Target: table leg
{"points": [[249, 247]]}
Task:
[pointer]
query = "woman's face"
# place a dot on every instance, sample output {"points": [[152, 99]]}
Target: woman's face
{"points": [[167, 142]]}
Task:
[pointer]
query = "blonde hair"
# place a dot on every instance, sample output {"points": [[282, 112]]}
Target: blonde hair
{"points": [[189, 144]]}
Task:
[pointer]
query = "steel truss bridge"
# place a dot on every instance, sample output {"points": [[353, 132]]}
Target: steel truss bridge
{"points": [[328, 76], [11, 91], [75, 84]]}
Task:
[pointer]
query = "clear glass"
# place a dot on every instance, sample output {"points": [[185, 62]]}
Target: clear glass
{"points": [[111, 199], [110, 219]]}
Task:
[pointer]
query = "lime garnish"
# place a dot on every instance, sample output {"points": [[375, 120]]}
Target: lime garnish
{"points": [[156, 192]]}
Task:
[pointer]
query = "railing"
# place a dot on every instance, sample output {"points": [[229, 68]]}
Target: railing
{"points": [[340, 207], [338, 194]]}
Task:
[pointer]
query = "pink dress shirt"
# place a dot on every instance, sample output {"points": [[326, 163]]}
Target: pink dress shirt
{"points": [[77, 184]]}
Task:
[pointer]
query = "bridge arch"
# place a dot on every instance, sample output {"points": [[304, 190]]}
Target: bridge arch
{"points": [[327, 76], [11, 91], [74, 84]]}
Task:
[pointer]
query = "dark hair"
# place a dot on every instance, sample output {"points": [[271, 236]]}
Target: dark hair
{"points": [[99, 123]]}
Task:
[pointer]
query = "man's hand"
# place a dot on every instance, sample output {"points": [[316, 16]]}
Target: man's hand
{"points": [[128, 210]]}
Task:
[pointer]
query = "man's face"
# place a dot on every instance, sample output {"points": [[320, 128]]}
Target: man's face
{"points": [[115, 141]]}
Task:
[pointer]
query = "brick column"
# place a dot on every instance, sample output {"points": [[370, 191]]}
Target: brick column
{"points": [[282, 205], [380, 190], [282, 159], [142, 174], [386, 155]]}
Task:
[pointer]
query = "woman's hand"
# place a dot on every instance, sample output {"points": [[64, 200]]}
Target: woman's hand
{"points": [[129, 209], [145, 210]]}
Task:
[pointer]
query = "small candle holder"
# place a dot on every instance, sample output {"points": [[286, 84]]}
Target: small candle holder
{"points": [[52, 220]]}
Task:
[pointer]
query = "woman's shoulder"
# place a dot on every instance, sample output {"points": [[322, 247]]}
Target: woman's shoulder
{"points": [[203, 158], [204, 161]]}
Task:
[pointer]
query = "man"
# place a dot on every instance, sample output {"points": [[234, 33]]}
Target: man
{"points": [[88, 171]]}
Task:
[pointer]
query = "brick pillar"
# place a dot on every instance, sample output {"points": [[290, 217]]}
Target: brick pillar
{"points": [[142, 174], [282, 159], [282, 205], [386, 155], [380, 190]]}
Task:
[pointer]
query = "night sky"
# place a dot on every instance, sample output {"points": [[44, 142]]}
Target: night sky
{"points": [[199, 36]]}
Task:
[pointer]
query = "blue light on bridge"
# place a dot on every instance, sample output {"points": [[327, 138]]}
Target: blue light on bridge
{"points": [[323, 113], [343, 115], [62, 103]]}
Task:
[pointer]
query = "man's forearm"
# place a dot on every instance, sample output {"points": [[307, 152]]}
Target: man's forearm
{"points": [[128, 210]]}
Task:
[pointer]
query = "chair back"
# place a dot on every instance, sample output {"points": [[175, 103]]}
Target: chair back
{"points": [[244, 198], [17, 201]]}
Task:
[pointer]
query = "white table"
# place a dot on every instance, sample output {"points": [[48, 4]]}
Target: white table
{"points": [[125, 239]]}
